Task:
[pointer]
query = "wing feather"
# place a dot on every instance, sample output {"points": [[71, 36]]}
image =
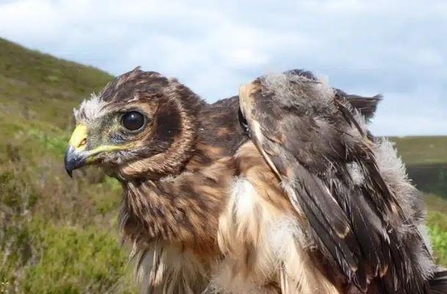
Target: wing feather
{"points": [[310, 136]]}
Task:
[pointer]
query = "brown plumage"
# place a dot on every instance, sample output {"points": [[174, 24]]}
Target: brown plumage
{"points": [[281, 189]]}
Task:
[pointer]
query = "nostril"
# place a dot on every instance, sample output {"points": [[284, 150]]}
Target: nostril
{"points": [[83, 142]]}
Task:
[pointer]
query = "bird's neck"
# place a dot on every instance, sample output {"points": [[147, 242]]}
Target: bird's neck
{"points": [[182, 209], [219, 133]]}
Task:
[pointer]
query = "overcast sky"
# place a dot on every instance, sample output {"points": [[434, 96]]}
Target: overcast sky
{"points": [[396, 48]]}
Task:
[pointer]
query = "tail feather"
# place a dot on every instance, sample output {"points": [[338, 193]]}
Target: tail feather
{"points": [[438, 283]]}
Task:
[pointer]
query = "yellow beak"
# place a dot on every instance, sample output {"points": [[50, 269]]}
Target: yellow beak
{"points": [[76, 156]]}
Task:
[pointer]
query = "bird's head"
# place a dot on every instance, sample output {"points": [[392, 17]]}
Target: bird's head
{"points": [[141, 125]]}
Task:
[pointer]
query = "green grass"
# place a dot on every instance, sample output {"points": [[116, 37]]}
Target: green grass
{"points": [[37, 86], [422, 150], [438, 232], [65, 259], [59, 235], [437, 224]]}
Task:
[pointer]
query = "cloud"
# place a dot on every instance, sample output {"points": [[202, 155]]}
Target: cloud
{"points": [[395, 48]]}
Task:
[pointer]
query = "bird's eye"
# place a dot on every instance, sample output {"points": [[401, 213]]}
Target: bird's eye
{"points": [[133, 120]]}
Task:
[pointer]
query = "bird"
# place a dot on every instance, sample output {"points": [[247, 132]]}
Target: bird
{"points": [[282, 188]]}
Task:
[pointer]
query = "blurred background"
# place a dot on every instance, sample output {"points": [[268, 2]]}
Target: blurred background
{"points": [[59, 235]]}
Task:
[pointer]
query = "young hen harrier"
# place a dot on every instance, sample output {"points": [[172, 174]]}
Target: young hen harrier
{"points": [[280, 190]]}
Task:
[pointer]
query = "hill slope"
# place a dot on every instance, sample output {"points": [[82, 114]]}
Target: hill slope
{"points": [[42, 88], [422, 150], [59, 235], [54, 232], [426, 161]]}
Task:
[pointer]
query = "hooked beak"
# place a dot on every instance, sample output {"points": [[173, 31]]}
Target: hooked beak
{"points": [[74, 159], [76, 156]]}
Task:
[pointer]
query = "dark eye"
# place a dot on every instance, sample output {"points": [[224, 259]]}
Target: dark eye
{"points": [[132, 120]]}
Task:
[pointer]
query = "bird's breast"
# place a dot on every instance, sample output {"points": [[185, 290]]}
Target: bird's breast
{"points": [[263, 240]]}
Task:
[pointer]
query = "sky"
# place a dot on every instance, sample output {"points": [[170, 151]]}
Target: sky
{"points": [[394, 48]]}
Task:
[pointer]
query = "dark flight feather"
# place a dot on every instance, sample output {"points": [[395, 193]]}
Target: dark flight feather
{"points": [[317, 133], [438, 284]]}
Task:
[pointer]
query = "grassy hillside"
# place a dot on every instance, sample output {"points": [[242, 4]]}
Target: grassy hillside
{"points": [[426, 159], [422, 150], [59, 235]]}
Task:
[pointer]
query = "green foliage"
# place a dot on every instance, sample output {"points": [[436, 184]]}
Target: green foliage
{"points": [[42, 257], [438, 232], [73, 256]]}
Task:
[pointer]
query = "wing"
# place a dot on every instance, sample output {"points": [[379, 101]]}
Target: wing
{"points": [[319, 147]]}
